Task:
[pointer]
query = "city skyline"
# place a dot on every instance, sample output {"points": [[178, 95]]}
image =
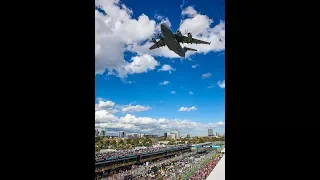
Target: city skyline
{"points": [[153, 92]]}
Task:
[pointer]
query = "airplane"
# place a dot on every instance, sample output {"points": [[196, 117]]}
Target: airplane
{"points": [[173, 40]]}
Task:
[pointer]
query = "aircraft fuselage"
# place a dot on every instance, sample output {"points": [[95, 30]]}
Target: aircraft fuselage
{"points": [[170, 40]]}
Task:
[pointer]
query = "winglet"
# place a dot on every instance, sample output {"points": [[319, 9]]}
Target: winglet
{"points": [[209, 43]]}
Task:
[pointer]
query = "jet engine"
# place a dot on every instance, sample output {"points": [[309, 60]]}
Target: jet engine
{"points": [[179, 33], [190, 38]]}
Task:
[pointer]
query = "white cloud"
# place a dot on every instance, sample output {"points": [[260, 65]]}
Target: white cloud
{"points": [[189, 11], [187, 109], [211, 86], [106, 106], [221, 84], [103, 116], [110, 107], [138, 64], [164, 83], [195, 66], [173, 92], [200, 26], [131, 123], [190, 92], [116, 30], [166, 67], [135, 108], [206, 75]]}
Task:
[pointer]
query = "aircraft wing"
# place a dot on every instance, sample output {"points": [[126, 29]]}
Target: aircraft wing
{"points": [[157, 44], [186, 39]]}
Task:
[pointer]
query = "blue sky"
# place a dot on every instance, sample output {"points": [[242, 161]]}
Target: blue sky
{"points": [[131, 98]]}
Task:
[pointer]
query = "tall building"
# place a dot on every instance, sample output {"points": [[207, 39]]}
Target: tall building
{"points": [[103, 133], [121, 134], [171, 136], [165, 135], [210, 132], [176, 133], [188, 135], [217, 134], [97, 132], [135, 135]]}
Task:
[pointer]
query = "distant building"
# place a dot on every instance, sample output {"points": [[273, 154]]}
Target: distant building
{"points": [[121, 134], [176, 133], [97, 132], [165, 135], [135, 135], [150, 136], [103, 133], [130, 136], [171, 136], [210, 132], [188, 135]]}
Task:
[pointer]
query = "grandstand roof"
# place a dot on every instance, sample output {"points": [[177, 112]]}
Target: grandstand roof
{"points": [[201, 144], [218, 173]]}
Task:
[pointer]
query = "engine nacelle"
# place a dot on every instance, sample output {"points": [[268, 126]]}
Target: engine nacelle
{"points": [[190, 38], [160, 37], [153, 40]]}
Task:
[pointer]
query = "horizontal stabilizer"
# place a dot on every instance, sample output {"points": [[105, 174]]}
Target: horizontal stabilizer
{"points": [[188, 49]]}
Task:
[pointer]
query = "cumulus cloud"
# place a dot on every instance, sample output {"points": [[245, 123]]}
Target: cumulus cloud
{"points": [[187, 109], [106, 106], [109, 107], [189, 11], [221, 84], [105, 120], [166, 67], [190, 92], [164, 83], [173, 92], [138, 64], [113, 32], [206, 75], [135, 108], [133, 124], [195, 66]]}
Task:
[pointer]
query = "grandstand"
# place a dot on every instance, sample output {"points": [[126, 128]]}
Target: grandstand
{"points": [[166, 163], [114, 161]]}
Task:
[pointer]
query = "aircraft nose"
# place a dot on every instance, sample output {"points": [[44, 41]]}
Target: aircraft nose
{"points": [[164, 26]]}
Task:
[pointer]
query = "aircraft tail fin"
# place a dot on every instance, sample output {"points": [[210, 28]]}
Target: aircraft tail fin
{"points": [[188, 49]]}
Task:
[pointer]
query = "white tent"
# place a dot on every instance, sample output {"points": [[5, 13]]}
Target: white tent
{"points": [[218, 173]]}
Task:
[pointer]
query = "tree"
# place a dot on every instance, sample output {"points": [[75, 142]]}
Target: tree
{"points": [[201, 140], [136, 142], [113, 143], [121, 142], [129, 141]]}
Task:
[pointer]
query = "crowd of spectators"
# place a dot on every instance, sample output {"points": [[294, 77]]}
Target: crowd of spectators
{"points": [[204, 171], [122, 153], [170, 169]]}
